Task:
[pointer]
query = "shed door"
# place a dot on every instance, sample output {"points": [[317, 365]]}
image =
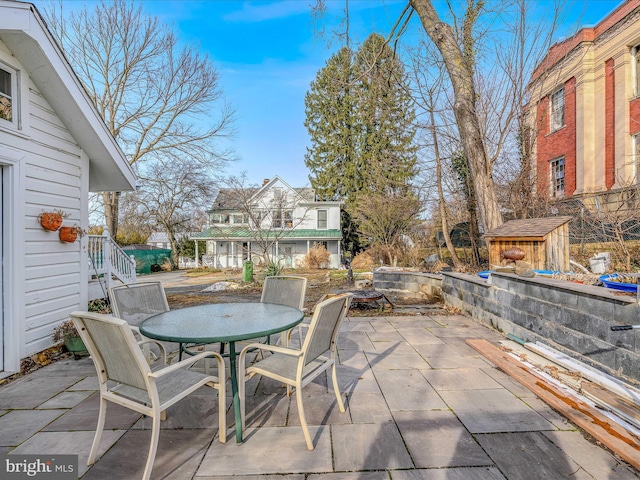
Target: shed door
{"points": [[1, 277]]}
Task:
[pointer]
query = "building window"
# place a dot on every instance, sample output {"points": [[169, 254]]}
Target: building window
{"points": [[8, 88], [557, 177], [239, 218], [322, 219], [282, 218], [557, 110], [219, 218]]}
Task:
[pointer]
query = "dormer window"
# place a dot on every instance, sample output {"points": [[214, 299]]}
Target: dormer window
{"points": [[8, 89]]}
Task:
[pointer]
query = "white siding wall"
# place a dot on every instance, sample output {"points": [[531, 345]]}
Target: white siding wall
{"points": [[53, 179]]}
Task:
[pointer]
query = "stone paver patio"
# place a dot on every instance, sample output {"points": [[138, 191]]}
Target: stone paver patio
{"points": [[421, 404]]}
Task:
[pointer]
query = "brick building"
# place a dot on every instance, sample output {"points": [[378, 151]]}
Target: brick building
{"points": [[584, 108]]}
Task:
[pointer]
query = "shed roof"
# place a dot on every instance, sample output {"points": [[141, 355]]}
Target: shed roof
{"points": [[529, 227]]}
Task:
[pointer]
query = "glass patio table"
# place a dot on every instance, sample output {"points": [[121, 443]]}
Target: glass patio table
{"points": [[222, 323]]}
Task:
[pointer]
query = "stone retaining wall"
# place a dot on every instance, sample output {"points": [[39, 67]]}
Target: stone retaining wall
{"points": [[572, 318], [403, 284]]}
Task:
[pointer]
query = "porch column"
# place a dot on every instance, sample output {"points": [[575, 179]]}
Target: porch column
{"points": [[196, 253]]}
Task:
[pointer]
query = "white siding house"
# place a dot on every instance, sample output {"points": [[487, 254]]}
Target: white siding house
{"points": [[54, 149], [276, 219]]}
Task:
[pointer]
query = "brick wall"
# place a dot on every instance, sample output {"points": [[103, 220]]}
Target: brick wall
{"points": [[634, 116], [609, 124], [560, 143]]}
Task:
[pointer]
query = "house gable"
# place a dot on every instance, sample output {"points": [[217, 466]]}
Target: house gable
{"points": [[25, 35]]}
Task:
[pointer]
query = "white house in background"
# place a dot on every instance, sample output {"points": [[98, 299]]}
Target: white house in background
{"points": [[54, 150], [284, 221], [159, 239]]}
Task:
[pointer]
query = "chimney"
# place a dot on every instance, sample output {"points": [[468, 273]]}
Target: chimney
{"points": [[265, 181]]}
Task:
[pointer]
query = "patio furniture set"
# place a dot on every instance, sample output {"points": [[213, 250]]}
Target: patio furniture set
{"points": [[133, 351]]}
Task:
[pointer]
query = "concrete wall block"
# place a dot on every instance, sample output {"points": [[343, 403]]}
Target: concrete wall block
{"points": [[627, 339], [600, 306], [626, 313], [626, 363], [551, 311], [590, 347]]}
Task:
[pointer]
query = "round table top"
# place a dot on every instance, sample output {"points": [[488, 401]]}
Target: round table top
{"points": [[221, 322]]}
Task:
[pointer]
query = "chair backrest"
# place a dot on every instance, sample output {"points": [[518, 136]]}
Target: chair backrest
{"points": [[284, 290], [113, 349], [324, 326], [135, 303]]}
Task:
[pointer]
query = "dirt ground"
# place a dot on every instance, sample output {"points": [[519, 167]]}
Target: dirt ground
{"points": [[320, 283]]}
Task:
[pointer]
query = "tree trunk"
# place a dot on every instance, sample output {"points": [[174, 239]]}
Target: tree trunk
{"points": [[111, 201], [441, 201], [461, 74]]}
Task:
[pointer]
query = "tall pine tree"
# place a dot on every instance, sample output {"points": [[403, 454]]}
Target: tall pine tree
{"points": [[361, 122]]}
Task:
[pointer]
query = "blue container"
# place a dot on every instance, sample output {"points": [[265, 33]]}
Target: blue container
{"points": [[625, 287]]}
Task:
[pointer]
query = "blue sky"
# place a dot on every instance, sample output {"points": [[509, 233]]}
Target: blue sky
{"points": [[267, 55]]}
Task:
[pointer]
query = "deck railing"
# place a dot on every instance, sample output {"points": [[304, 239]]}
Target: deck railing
{"points": [[108, 261]]}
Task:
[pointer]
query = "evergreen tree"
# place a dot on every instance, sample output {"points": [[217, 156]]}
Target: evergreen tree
{"points": [[330, 122], [386, 154], [361, 122]]}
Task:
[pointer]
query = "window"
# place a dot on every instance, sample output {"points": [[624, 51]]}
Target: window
{"points": [[557, 110], [322, 219], [282, 218], [557, 177], [239, 218], [219, 218], [8, 89]]}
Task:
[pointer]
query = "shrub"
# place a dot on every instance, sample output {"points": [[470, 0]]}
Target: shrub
{"points": [[273, 269], [317, 257], [362, 261]]}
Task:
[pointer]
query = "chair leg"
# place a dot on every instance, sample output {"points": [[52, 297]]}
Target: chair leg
{"points": [[96, 439], [222, 402], [153, 448], [303, 421], [241, 390], [336, 389]]}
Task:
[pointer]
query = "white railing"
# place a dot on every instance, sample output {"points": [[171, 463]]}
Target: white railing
{"points": [[107, 260]]}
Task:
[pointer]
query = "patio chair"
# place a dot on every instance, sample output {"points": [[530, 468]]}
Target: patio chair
{"points": [[298, 367], [285, 290], [137, 302], [127, 379]]}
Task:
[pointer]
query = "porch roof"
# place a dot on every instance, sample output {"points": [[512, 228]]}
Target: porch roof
{"points": [[244, 233]]}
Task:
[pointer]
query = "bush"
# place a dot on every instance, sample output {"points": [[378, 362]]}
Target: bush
{"points": [[362, 261], [317, 257], [273, 269]]}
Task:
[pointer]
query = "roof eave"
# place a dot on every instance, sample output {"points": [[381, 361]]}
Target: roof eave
{"points": [[24, 32]]}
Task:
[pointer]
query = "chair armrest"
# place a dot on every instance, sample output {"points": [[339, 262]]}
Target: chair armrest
{"points": [[163, 351], [272, 348], [190, 361]]}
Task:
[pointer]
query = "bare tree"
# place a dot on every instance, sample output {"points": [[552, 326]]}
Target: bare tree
{"points": [[172, 193], [158, 98], [459, 58], [384, 219]]}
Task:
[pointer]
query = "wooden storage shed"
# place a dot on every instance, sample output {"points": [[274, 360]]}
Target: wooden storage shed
{"points": [[545, 242]]}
